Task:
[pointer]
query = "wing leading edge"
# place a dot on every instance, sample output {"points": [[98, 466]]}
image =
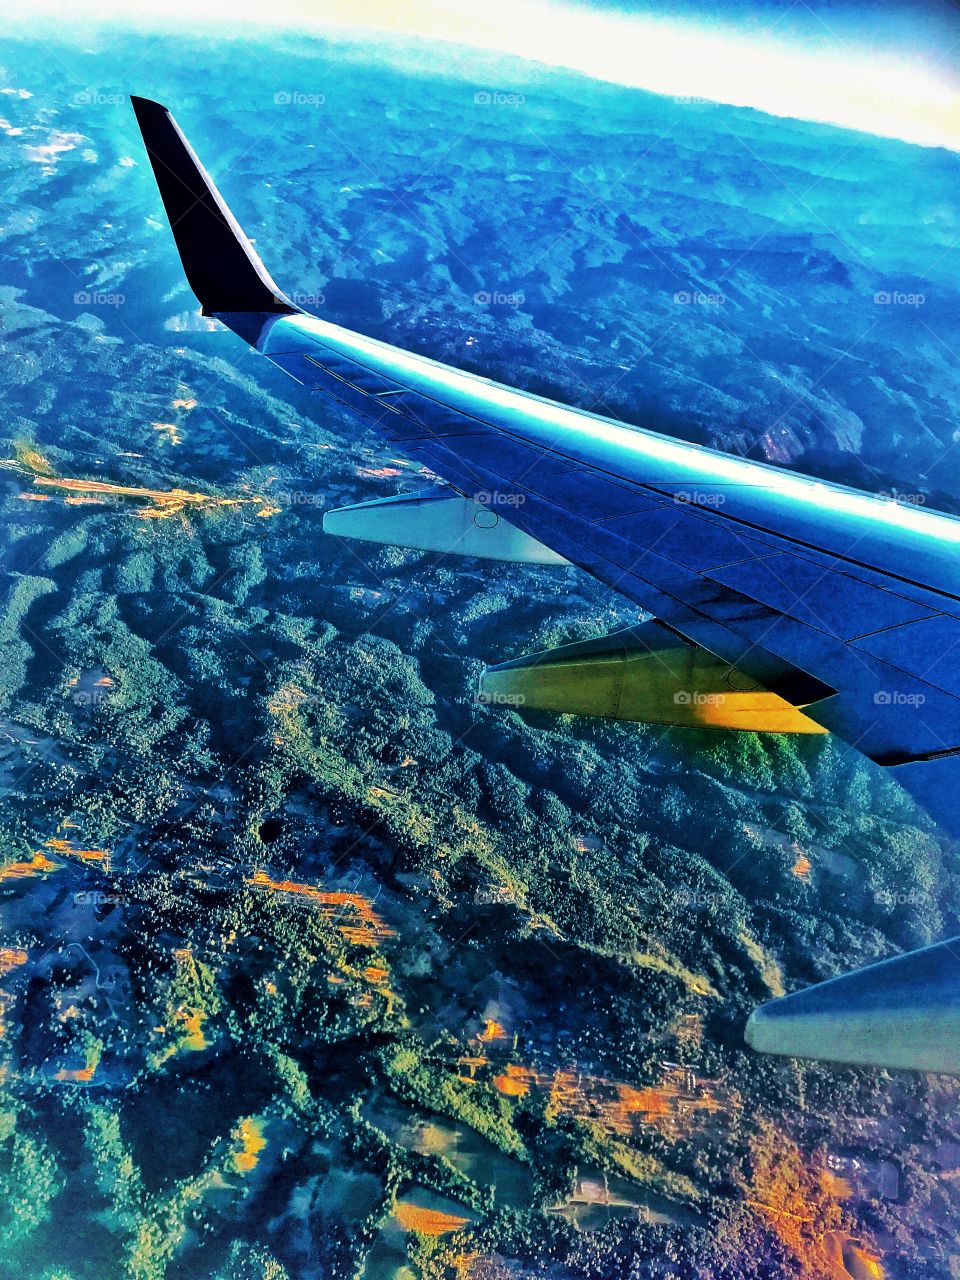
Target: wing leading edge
{"points": [[837, 601]]}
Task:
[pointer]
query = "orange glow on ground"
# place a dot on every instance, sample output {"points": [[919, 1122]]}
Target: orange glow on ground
{"points": [[428, 1222], [673, 1106], [161, 503], [11, 958], [351, 913], [38, 865], [652, 1102], [165, 502], [251, 1143], [101, 856], [835, 1186], [194, 1037], [80, 1075], [865, 1264], [514, 1081]]}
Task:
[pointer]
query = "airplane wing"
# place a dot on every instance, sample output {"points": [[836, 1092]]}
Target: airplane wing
{"points": [[781, 602]]}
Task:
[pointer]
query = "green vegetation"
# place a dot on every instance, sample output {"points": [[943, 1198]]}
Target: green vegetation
{"points": [[299, 877]]}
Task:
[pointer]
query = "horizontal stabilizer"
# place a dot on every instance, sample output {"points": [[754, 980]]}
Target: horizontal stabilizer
{"points": [[439, 519], [900, 1013], [646, 674]]}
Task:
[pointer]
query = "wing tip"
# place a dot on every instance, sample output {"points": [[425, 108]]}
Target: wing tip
{"points": [[221, 265]]}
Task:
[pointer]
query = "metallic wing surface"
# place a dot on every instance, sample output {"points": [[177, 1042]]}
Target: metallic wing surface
{"points": [[836, 602]]}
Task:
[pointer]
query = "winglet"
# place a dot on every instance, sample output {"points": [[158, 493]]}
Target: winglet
{"points": [[220, 263]]}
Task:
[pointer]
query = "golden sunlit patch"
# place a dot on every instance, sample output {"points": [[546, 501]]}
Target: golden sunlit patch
{"points": [[672, 1106], [803, 1205], [185, 1022], [652, 1102], [30, 457], [11, 958], [84, 1074], [250, 1142], [514, 1081], [351, 913], [160, 503], [59, 845], [170, 430], [164, 502], [428, 1222], [835, 1186], [863, 1265], [769, 968], [38, 865]]}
